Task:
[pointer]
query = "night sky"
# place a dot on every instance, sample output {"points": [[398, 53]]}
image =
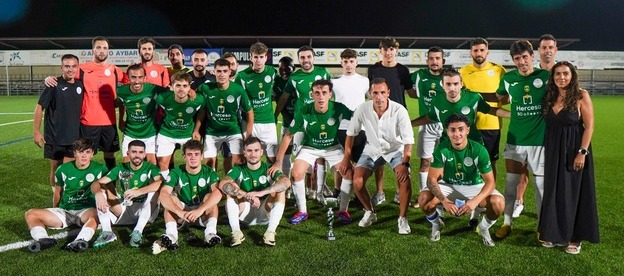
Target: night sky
{"points": [[599, 24]]}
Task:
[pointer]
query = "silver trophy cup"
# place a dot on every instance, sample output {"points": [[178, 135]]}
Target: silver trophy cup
{"points": [[330, 203], [125, 181]]}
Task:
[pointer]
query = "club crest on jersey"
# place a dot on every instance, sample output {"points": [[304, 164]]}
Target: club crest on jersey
{"points": [[468, 162], [90, 177], [146, 100], [143, 177], [230, 99], [490, 72], [189, 110], [465, 110], [201, 182], [317, 77], [267, 79], [262, 179], [153, 73], [538, 83], [107, 72], [78, 90], [331, 121]]}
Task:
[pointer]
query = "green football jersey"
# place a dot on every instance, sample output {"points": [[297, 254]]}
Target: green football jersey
{"points": [[178, 122], [288, 112], [462, 167], [191, 188], [76, 184], [137, 178], [427, 88], [300, 84], [140, 110], [526, 94], [320, 130], [222, 108], [259, 87], [253, 180], [469, 104]]}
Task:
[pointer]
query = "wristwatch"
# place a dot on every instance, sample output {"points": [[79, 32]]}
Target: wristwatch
{"points": [[583, 151], [407, 164]]}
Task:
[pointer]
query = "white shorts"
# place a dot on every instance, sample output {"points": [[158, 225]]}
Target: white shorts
{"points": [[68, 217], [296, 142], [150, 145], [166, 145], [212, 143], [198, 222], [428, 136], [267, 133], [255, 216], [130, 214], [533, 156], [463, 192], [332, 155]]}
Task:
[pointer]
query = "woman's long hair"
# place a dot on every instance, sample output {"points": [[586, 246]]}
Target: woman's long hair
{"points": [[573, 92]]}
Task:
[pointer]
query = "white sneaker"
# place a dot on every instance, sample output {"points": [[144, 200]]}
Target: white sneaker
{"points": [[237, 238], [435, 230], [368, 219], [485, 236], [517, 210], [378, 198], [404, 227], [396, 197]]}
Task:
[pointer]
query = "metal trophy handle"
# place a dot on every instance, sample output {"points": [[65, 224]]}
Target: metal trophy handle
{"points": [[330, 203], [125, 181]]}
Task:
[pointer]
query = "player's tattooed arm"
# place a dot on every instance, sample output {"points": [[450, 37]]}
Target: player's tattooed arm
{"points": [[432, 183], [281, 184], [231, 189]]}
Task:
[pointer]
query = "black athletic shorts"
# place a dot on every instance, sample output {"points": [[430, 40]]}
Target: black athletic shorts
{"points": [[105, 138], [491, 141], [359, 142], [57, 152]]}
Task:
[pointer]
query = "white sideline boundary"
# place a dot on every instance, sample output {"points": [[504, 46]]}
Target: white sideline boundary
{"points": [[22, 244], [18, 122], [16, 113]]}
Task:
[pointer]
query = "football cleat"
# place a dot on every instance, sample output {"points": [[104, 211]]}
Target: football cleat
{"points": [[136, 238], [162, 244], [104, 238], [299, 217], [404, 227], [503, 232], [77, 246], [212, 239], [41, 244], [378, 198], [269, 238], [345, 217], [485, 236], [368, 219], [237, 238]]}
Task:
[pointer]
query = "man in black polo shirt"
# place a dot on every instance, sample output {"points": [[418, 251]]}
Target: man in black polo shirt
{"points": [[62, 105]]}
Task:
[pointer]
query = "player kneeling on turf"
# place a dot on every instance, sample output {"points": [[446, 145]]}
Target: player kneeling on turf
{"points": [[190, 195], [139, 183], [73, 201], [251, 185], [466, 180]]}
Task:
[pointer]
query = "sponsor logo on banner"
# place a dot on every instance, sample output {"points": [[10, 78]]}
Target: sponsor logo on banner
{"points": [[242, 54], [213, 54]]}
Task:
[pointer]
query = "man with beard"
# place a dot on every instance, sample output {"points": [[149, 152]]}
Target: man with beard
{"points": [[175, 54], [97, 119], [200, 74], [254, 195], [428, 85], [140, 182], [155, 73], [138, 101]]}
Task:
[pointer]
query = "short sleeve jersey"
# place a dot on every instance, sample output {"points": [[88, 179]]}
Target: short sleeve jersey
{"points": [[76, 184], [397, 78], [484, 80], [300, 84], [100, 83], [469, 104], [222, 106], [63, 106], [259, 88], [157, 74], [137, 179], [140, 109], [462, 167], [320, 129], [428, 87], [192, 188], [178, 122], [288, 112], [253, 180], [197, 81], [526, 94]]}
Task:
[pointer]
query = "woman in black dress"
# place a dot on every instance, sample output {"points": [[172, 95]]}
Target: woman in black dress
{"points": [[568, 215]]}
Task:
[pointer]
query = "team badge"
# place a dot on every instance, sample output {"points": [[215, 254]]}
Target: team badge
{"points": [[230, 99], [331, 121], [465, 110], [468, 162], [262, 179], [146, 100], [317, 78], [267, 79], [78, 90], [153, 74], [189, 110], [201, 182], [107, 72], [538, 83], [143, 177], [490, 72], [90, 177]]}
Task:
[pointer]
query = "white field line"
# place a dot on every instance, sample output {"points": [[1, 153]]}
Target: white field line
{"points": [[16, 113], [18, 245], [18, 122]]}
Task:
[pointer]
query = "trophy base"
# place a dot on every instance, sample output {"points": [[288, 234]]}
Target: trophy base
{"points": [[331, 238]]}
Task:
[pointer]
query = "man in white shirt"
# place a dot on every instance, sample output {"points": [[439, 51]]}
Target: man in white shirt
{"points": [[390, 138], [350, 89]]}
